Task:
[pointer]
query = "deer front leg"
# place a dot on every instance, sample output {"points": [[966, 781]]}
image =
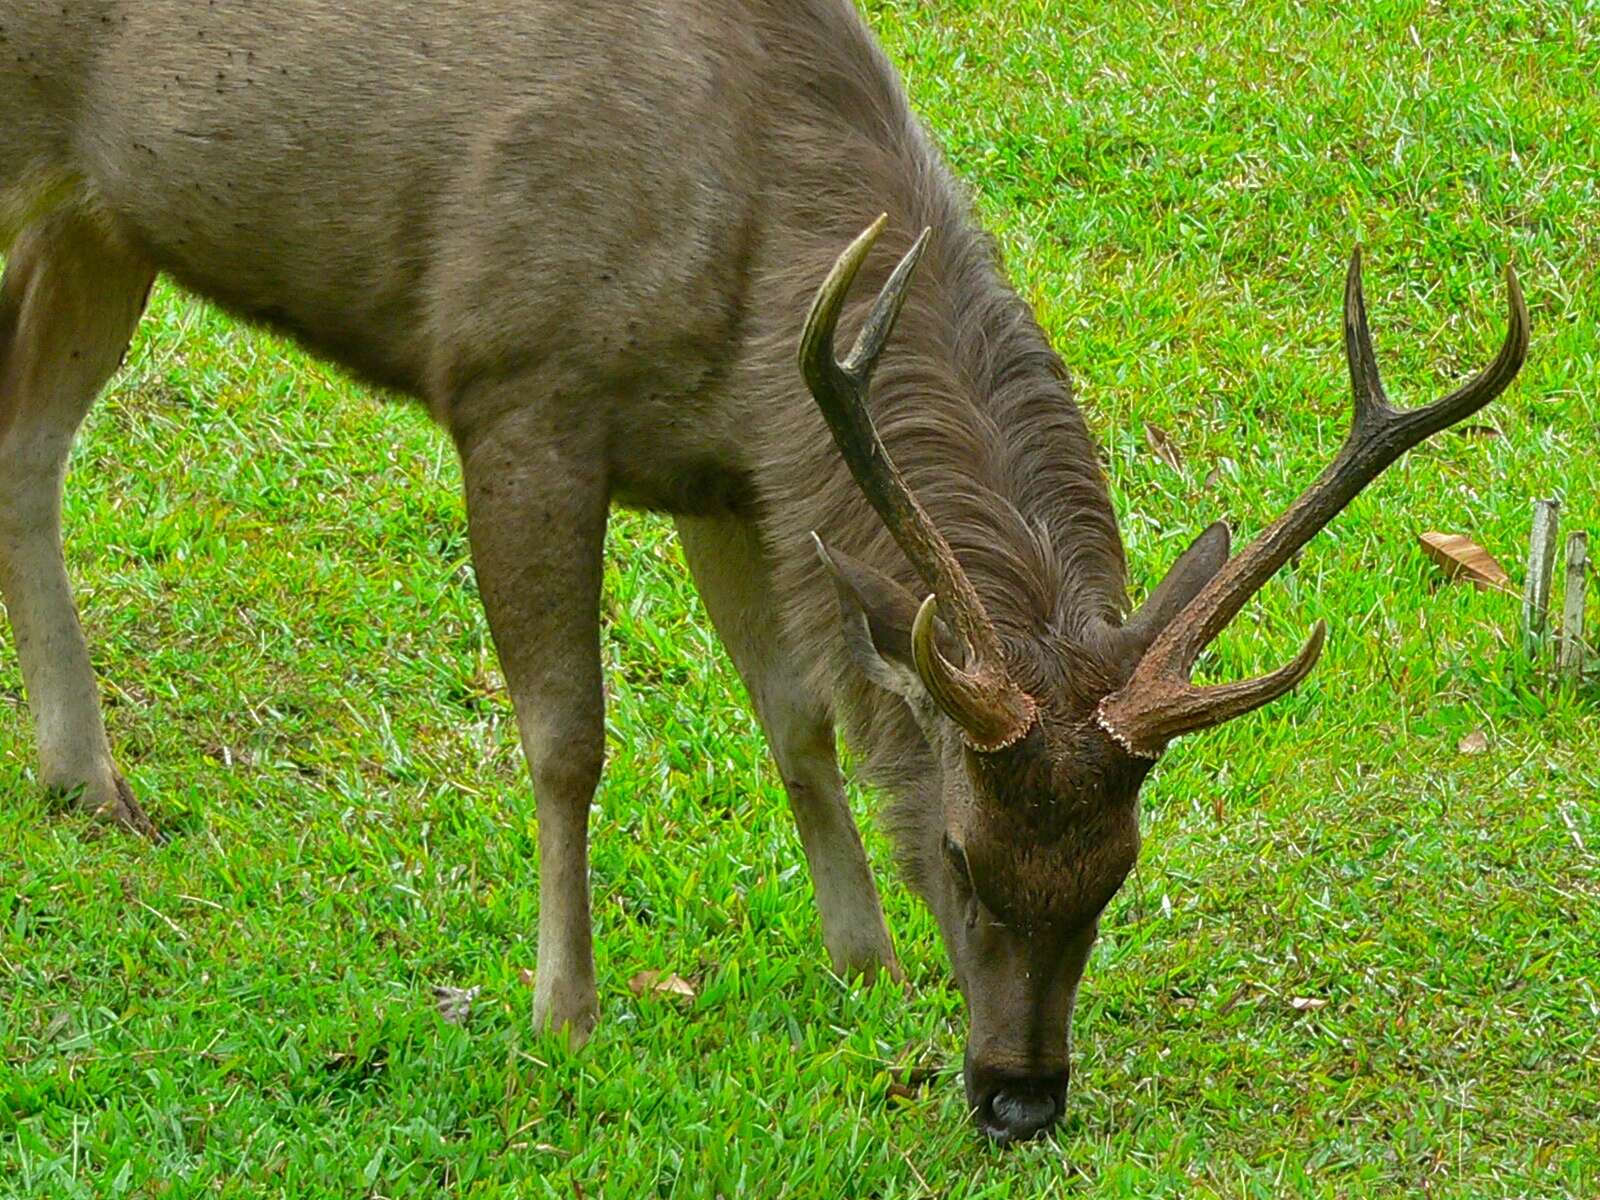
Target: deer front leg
{"points": [[69, 301], [734, 578], [536, 509]]}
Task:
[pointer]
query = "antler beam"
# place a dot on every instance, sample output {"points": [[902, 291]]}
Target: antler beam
{"points": [[1158, 702], [991, 710]]}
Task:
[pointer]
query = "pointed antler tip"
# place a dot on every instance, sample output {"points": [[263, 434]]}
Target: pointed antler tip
{"points": [[1518, 331], [867, 237], [1353, 292], [1514, 285], [1308, 657], [914, 255]]}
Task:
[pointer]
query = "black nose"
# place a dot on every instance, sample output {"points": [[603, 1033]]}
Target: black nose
{"points": [[1015, 1112]]}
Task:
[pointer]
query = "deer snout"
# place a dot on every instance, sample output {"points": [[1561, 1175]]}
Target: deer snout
{"points": [[1009, 1107]]}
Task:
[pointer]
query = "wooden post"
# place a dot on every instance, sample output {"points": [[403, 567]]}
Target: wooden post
{"points": [[1573, 648], [1541, 562]]}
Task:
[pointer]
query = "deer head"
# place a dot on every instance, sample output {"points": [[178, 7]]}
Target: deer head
{"points": [[1040, 760]]}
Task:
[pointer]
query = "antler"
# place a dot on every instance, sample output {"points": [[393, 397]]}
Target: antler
{"points": [[991, 710], [1158, 702]]}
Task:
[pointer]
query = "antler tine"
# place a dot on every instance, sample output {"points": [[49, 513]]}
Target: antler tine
{"points": [[1365, 385], [1158, 702], [1374, 414], [981, 699]]}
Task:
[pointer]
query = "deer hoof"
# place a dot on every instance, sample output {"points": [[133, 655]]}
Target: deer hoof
{"points": [[865, 956], [868, 968], [116, 806], [569, 1012]]}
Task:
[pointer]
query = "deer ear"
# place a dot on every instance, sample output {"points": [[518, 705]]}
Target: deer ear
{"points": [[877, 614], [1182, 582]]}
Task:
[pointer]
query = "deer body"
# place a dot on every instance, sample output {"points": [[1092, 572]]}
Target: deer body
{"points": [[419, 200], [587, 236]]}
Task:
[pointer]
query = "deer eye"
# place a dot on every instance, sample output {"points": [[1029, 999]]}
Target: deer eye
{"points": [[956, 857]]}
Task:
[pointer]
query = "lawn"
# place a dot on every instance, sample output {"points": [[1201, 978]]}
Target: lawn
{"points": [[1354, 960]]}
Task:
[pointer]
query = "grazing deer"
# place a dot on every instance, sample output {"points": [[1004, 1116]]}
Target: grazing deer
{"points": [[586, 235]]}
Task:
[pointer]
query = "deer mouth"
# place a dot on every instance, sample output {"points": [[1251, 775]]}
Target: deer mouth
{"points": [[1009, 1117]]}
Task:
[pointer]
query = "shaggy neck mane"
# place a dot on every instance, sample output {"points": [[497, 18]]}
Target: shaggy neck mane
{"points": [[971, 402]]}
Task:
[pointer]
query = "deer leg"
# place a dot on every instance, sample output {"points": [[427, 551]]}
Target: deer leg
{"points": [[69, 301], [731, 572], [536, 511]]}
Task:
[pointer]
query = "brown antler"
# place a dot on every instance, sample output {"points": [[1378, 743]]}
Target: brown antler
{"points": [[991, 710], [1158, 702]]}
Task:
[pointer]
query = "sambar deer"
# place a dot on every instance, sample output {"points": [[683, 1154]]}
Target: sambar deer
{"points": [[588, 237]]}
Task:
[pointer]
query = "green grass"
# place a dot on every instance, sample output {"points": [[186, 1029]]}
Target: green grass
{"points": [[273, 571]]}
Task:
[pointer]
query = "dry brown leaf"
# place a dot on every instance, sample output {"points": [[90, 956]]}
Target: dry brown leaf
{"points": [[1487, 432], [1459, 557], [1307, 1003], [1164, 447], [1476, 742], [667, 983], [526, 976]]}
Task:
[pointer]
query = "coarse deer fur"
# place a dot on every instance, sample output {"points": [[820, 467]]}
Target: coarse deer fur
{"points": [[588, 236]]}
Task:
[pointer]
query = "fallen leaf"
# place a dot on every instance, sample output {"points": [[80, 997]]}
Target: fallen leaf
{"points": [[526, 976], [670, 984], [455, 1004], [1165, 448], [1476, 742], [902, 1091], [1307, 1003], [1459, 557], [1477, 431]]}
